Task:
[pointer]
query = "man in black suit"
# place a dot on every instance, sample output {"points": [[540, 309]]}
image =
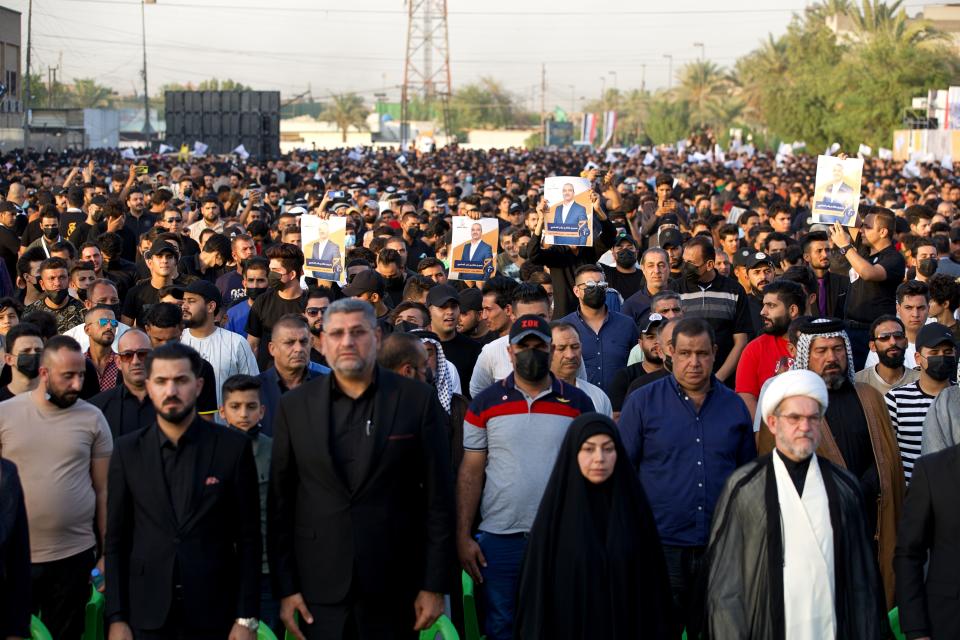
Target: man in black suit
{"points": [[930, 528], [183, 545], [360, 508], [831, 288]]}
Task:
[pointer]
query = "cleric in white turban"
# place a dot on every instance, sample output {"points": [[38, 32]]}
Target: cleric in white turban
{"points": [[790, 556]]}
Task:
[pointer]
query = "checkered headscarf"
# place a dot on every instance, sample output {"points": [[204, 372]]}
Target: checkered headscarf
{"points": [[821, 328], [441, 377]]}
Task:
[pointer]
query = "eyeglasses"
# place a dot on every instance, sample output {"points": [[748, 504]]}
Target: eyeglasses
{"points": [[169, 220], [128, 356], [108, 321], [794, 419], [890, 335], [315, 311], [590, 284]]}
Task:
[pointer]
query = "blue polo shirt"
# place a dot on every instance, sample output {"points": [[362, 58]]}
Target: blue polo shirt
{"points": [[683, 456], [605, 353]]}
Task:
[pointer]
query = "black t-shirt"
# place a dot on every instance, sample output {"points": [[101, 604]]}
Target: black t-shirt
{"points": [[868, 300], [626, 284], [463, 353], [142, 295], [231, 287], [645, 379], [264, 313]]}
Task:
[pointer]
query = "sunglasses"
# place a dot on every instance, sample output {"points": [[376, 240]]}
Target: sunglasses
{"points": [[169, 220], [128, 356], [107, 321], [315, 311], [892, 335]]}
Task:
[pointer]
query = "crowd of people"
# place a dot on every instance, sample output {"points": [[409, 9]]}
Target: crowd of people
{"points": [[721, 418]]}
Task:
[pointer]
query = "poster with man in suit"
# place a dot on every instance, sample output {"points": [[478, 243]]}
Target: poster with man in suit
{"points": [[570, 219], [836, 195], [474, 248], [323, 247]]}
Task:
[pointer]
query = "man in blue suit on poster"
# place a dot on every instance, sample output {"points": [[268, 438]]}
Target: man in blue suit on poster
{"points": [[477, 250], [570, 213], [324, 249]]}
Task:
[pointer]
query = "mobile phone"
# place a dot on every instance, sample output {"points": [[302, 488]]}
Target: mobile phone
{"points": [[336, 194], [142, 169]]}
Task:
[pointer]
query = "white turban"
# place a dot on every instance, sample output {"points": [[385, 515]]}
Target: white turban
{"points": [[799, 382]]}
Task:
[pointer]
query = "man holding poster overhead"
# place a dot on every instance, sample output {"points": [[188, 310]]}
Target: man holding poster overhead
{"points": [[835, 198], [569, 217], [324, 250]]}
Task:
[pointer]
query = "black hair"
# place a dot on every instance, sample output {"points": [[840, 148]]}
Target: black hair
{"points": [[943, 289], [691, 327], [529, 293], [788, 292], [887, 317], [912, 288], [163, 315], [398, 349], [21, 330], [175, 351], [502, 288], [239, 382]]}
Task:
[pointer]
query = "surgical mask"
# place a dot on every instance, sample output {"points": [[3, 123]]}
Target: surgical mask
{"points": [[29, 364], [350, 240], [626, 258], [533, 364], [595, 297], [82, 295], [255, 292], [690, 273], [942, 368], [188, 192], [51, 233], [927, 267], [57, 297], [393, 282]]}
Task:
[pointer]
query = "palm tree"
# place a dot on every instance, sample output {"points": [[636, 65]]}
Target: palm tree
{"points": [[87, 94], [754, 74], [876, 22], [346, 110], [702, 85]]}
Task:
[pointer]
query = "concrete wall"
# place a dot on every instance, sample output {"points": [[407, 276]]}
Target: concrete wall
{"points": [[10, 53]]}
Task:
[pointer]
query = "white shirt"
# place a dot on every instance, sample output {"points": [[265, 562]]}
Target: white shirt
{"points": [[78, 334], [601, 403], [227, 352], [494, 364]]}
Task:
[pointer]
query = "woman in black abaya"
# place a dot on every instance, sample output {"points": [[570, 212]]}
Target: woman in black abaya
{"points": [[593, 567]]}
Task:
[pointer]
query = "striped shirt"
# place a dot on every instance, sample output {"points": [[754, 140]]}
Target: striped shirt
{"points": [[908, 406], [226, 351]]}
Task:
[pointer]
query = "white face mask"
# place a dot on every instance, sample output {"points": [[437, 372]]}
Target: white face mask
{"points": [[350, 240]]}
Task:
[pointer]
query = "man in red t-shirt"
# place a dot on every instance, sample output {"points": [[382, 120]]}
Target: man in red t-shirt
{"points": [[783, 301]]}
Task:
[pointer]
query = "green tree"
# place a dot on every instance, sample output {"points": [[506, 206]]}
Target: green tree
{"points": [[703, 86], [87, 94], [486, 104], [669, 119], [346, 110]]}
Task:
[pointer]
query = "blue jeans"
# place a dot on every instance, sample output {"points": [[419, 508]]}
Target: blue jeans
{"points": [[504, 554]]}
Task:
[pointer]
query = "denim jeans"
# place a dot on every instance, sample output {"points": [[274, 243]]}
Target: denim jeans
{"points": [[683, 567], [504, 554]]}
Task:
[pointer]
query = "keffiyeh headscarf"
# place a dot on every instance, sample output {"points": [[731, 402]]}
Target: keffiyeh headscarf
{"points": [[441, 377], [821, 328]]}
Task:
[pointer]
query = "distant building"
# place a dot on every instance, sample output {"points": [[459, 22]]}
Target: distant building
{"points": [[942, 17], [11, 104]]}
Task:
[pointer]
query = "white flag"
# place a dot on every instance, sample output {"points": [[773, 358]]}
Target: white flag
{"points": [[648, 159], [799, 144], [633, 151], [199, 148], [242, 152], [864, 151], [885, 154], [947, 163], [785, 149], [911, 170], [832, 149], [164, 149], [128, 154]]}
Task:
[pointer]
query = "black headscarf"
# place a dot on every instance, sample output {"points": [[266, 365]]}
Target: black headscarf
{"points": [[593, 567]]}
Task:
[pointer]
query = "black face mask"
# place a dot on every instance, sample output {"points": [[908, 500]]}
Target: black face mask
{"points": [[255, 292], [668, 363], [942, 368], [394, 282], [533, 364], [82, 295], [29, 364], [690, 273], [595, 297], [927, 267], [274, 281], [36, 286], [51, 233], [188, 192], [57, 297], [626, 259]]}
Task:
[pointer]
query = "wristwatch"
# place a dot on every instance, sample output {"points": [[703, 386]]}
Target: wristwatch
{"points": [[843, 250], [249, 623]]}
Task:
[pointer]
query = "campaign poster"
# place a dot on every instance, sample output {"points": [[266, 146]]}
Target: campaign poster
{"points": [[323, 247], [570, 218], [837, 192], [474, 248]]}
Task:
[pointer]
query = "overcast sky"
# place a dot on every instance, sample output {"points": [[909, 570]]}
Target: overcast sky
{"points": [[358, 45]]}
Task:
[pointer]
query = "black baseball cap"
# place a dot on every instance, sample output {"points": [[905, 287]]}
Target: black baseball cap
{"points": [[670, 237], [368, 281], [471, 299], [160, 246], [756, 259], [206, 290], [741, 257], [651, 322], [933, 335], [530, 325], [441, 295]]}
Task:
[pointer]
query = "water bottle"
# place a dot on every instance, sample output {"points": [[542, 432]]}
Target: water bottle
{"points": [[96, 578]]}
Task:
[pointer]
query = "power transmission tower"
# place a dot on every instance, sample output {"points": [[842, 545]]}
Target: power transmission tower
{"points": [[426, 68]]}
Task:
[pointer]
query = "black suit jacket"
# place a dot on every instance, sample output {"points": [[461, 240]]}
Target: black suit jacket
{"points": [[930, 522], [14, 555], [394, 534], [837, 287], [216, 551]]}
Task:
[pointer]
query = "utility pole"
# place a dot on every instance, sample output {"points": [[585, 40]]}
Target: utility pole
{"points": [[427, 36], [703, 51], [543, 104], [29, 97], [146, 91], [669, 58], [603, 91], [643, 78]]}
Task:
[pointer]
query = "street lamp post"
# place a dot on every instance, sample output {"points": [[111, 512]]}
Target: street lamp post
{"points": [[146, 93]]}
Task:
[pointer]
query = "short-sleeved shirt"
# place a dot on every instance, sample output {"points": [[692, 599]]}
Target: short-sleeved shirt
{"points": [[53, 449], [908, 406], [722, 303], [143, 295], [264, 313], [69, 315], [868, 300], [227, 352], [521, 435], [237, 316], [759, 362]]}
